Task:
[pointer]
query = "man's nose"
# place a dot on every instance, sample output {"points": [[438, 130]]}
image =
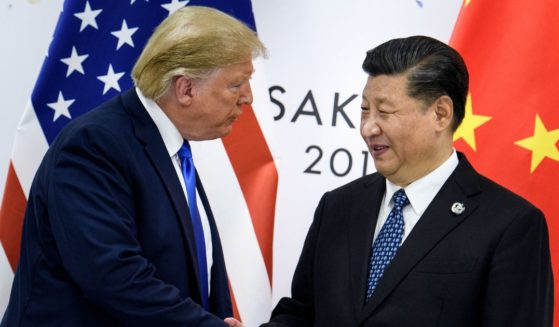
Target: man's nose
{"points": [[369, 126], [246, 94]]}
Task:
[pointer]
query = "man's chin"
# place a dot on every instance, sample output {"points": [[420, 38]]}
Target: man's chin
{"points": [[226, 132], [382, 169]]}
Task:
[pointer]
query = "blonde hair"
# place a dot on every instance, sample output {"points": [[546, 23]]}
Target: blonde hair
{"points": [[193, 41]]}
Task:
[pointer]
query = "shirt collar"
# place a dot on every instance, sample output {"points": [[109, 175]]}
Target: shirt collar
{"points": [[422, 191], [171, 136]]}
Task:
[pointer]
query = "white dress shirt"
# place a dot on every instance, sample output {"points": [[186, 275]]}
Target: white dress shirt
{"points": [[173, 141], [420, 193]]}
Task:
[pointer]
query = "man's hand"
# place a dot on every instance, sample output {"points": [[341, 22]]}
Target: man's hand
{"points": [[232, 322]]}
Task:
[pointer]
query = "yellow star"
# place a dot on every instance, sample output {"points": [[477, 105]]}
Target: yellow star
{"points": [[469, 124], [467, 2], [542, 144]]}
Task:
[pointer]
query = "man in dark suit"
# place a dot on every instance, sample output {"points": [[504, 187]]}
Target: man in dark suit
{"points": [[425, 241], [110, 236]]}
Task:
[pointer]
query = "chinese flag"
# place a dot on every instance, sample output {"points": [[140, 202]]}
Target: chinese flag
{"points": [[511, 129]]}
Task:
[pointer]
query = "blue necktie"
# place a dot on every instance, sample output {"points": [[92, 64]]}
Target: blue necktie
{"points": [[189, 174], [387, 242]]}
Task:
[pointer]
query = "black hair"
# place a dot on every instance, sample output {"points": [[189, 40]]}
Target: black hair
{"points": [[432, 67]]}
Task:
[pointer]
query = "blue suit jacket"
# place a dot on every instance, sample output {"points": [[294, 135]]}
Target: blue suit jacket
{"points": [[107, 240]]}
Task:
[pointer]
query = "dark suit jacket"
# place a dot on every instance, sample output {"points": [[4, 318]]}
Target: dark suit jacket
{"points": [[489, 266], [107, 240]]}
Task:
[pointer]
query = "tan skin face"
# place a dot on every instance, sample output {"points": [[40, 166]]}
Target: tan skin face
{"points": [[206, 109], [406, 138]]}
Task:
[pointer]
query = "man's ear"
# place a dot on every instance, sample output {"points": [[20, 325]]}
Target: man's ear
{"points": [[443, 110], [183, 89]]}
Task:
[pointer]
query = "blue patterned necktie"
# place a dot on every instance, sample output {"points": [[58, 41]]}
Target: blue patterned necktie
{"points": [[387, 242], [189, 174]]}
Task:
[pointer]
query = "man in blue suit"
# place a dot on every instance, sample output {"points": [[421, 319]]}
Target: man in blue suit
{"points": [[108, 238]]}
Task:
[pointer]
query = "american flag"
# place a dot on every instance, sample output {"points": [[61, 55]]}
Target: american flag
{"points": [[94, 48]]}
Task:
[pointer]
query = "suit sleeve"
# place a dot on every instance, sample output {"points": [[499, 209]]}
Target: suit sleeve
{"points": [[519, 289], [299, 309], [91, 212]]}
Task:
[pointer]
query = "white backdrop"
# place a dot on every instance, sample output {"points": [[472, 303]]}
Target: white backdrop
{"points": [[318, 46], [314, 74]]}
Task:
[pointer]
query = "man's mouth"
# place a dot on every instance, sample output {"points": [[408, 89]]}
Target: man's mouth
{"points": [[378, 150]]}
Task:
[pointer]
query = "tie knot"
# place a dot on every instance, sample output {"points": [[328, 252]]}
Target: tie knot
{"points": [[400, 198], [185, 152]]}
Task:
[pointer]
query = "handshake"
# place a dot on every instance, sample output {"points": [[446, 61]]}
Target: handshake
{"points": [[232, 322]]}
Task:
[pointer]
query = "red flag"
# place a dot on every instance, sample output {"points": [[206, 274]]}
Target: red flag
{"points": [[511, 128]]}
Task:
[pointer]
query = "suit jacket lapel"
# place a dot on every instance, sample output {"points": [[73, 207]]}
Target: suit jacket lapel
{"points": [[147, 133], [360, 236], [435, 223]]}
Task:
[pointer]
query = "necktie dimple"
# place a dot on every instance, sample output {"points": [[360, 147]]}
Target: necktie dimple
{"points": [[387, 242], [189, 174]]}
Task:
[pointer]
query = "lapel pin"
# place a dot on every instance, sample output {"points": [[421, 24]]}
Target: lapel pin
{"points": [[457, 208]]}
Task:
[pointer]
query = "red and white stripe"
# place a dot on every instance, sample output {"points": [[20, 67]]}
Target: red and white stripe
{"points": [[241, 179], [29, 147]]}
